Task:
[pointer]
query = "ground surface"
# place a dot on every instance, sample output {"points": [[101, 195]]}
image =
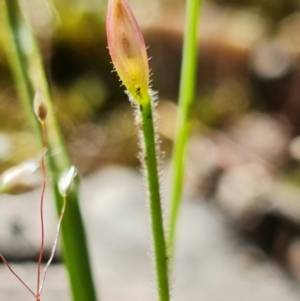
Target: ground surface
{"points": [[212, 262]]}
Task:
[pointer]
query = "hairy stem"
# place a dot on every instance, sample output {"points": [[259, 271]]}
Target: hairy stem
{"points": [[151, 168]]}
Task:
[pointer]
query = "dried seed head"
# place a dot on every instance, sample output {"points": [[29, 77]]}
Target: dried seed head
{"points": [[127, 49], [40, 105], [21, 178], [66, 181]]}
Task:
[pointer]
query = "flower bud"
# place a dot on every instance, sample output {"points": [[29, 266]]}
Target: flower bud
{"points": [[21, 178], [66, 181], [127, 49], [40, 105]]}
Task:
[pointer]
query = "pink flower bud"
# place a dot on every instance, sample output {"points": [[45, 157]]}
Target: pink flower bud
{"points": [[127, 49], [21, 178]]}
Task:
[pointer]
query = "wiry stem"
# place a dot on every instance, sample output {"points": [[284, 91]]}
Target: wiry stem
{"points": [[42, 206], [54, 245], [16, 275]]}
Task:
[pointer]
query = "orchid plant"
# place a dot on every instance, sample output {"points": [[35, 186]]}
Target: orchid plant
{"points": [[129, 56], [128, 53]]}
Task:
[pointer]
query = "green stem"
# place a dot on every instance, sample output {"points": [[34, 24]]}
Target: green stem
{"points": [[24, 56], [186, 97], [150, 163]]}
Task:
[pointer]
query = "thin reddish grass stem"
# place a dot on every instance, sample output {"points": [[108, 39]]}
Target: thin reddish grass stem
{"points": [[42, 207], [16, 275], [54, 245]]}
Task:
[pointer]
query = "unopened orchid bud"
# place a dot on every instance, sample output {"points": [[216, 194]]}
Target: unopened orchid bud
{"points": [[21, 178], [40, 105], [127, 49], [66, 181]]}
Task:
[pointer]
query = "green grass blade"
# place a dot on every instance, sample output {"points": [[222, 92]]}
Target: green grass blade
{"points": [[186, 98]]}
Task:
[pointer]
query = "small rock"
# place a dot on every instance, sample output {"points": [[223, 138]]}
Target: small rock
{"points": [[270, 61], [293, 257], [289, 33], [243, 191], [20, 229], [264, 136], [294, 148]]}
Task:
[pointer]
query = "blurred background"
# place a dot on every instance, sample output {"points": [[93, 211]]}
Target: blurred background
{"points": [[239, 236]]}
